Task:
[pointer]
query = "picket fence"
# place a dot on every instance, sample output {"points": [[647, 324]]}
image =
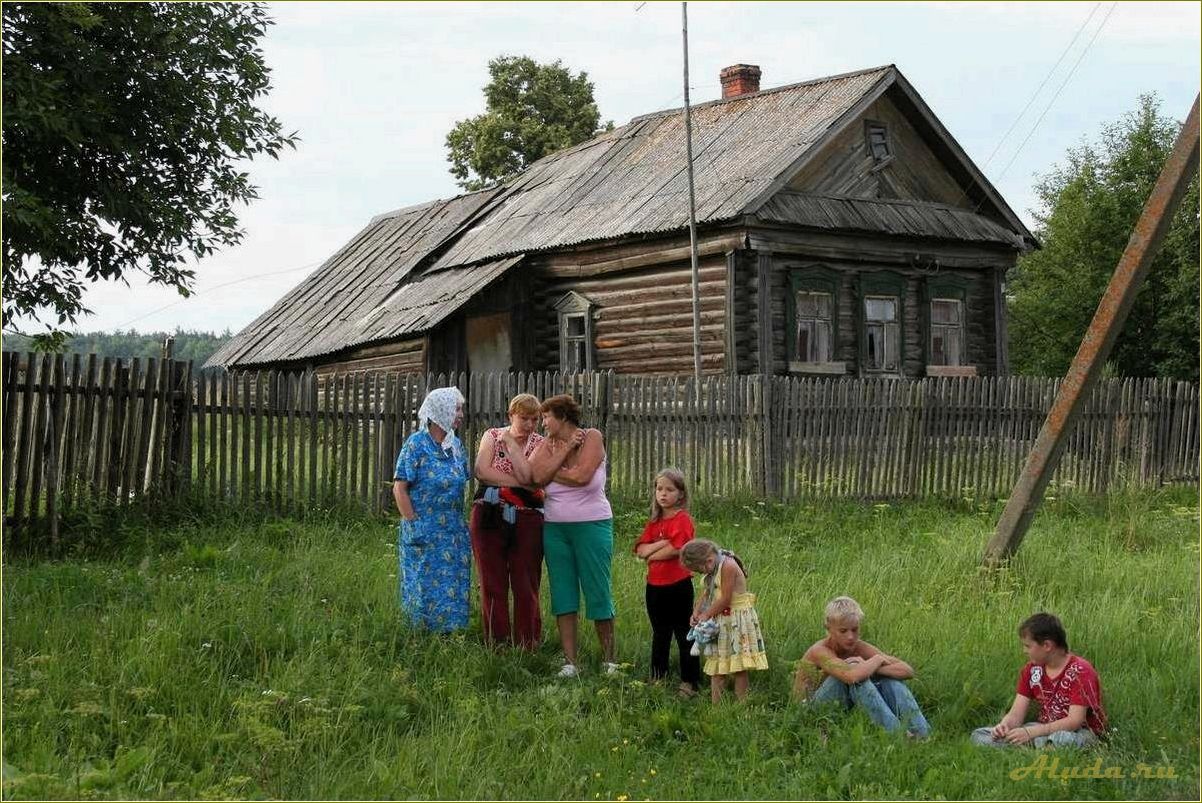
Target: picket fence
{"points": [[79, 431]]}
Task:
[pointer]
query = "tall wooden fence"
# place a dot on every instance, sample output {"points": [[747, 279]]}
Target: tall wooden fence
{"points": [[81, 430]]}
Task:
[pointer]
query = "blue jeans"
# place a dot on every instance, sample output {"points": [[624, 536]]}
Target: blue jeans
{"points": [[1080, 738], [886, 701]]}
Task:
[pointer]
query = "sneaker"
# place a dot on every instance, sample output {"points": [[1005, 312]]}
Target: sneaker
{"points": [[610, 668], [568, 671]]}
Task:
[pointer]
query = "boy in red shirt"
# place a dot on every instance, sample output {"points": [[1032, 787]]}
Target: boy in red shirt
{"points": [[669, 585], [1066, 687]]}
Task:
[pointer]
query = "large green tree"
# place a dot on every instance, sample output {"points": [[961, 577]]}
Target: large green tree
{"points": [[125, 128], [532, 110], [1089, 205]]}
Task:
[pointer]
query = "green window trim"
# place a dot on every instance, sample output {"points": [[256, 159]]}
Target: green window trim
{"points": [[880, 283], [944, 286], [956, 287], [811, 279]]}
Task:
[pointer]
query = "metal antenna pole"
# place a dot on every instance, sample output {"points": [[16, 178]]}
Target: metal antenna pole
{"points": [[1086, 368], [688, 146]]}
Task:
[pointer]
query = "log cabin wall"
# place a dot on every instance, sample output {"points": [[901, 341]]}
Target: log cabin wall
{"points": [[405, 356], [979, 324], [642, 318], [742, 299], [641, 296], [849, 258]]}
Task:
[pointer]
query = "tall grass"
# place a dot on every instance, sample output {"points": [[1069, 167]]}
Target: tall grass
{"points": [[239, 656]]}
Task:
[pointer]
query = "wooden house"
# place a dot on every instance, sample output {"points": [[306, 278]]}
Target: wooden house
{"points": [[841, 231]]}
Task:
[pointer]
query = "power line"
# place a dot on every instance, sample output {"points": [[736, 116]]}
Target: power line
{"points": [[1059, 89], [1042, 84], [219, 287]]}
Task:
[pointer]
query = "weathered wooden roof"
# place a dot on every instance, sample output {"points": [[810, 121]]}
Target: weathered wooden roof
{"points": [[365, 291], [880, 216], [410, 268], [632, 180]]}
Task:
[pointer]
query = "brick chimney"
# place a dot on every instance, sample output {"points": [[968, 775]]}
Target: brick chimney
{"points": [[739, 79]]}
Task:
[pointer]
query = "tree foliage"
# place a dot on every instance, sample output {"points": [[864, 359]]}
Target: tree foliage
{"points": [[532, 110], [124, 128], [189, 344], [1089, 206]]}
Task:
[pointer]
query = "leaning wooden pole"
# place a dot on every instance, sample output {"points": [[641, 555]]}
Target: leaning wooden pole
{"points": [[688, 149], [1107, 322]]}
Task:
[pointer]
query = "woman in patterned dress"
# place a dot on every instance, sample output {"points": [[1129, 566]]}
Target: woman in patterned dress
{"points": [[435, 552], [506, 525]]}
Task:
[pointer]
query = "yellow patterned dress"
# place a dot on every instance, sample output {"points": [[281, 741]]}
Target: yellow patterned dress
{"points": [[740, 643]]}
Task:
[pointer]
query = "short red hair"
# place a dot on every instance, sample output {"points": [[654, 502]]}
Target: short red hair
{"points": [[563, 407]]}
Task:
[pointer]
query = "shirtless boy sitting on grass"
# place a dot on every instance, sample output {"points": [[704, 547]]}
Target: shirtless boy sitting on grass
{"points": [[844, 670]]}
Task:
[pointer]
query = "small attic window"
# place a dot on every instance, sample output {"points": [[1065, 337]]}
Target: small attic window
{"points": [[877, 138]]}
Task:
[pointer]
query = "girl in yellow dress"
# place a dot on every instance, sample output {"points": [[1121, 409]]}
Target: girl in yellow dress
{"points": [[739, 647]]}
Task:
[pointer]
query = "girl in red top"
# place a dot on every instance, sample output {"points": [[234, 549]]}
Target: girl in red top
{"points": [[669, 585]]}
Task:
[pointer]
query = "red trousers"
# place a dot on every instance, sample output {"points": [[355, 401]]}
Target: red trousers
{"points": [[509, 558]]}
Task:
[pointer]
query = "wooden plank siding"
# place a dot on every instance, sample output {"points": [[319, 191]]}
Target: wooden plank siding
{"points": [[844, 167]]}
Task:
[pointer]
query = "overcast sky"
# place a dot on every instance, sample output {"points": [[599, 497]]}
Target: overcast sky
{"points": [[373, 88]]}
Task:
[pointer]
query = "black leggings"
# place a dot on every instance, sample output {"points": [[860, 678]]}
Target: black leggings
{"points": [[669, 609]]}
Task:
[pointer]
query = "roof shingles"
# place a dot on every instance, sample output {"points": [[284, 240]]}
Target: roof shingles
{"points": [[395, 277]]}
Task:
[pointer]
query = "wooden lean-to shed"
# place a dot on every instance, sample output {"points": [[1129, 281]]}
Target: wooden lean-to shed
{"points": [[841, 230]]}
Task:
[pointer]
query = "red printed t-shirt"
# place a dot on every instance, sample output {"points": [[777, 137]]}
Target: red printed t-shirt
{"points": [[1077, 684], [679, 531]]}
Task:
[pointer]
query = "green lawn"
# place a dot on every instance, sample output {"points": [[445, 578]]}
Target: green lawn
{"points": [[249, 658]]}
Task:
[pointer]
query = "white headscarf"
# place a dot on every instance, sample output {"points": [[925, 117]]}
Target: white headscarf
{"points": [[439, 406]]}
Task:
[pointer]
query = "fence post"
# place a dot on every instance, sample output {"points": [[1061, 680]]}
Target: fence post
{"points": [[178, 443], [767, 463], [604, 390], [53, 436]]}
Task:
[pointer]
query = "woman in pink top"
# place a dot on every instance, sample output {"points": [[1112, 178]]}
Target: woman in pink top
{"points": [[578, 534]]}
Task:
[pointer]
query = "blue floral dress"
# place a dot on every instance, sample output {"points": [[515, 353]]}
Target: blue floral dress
{"points": [[435, 551]]}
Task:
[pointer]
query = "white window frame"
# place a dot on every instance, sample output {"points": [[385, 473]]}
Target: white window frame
{"points": [[955, 329], [817, 322], [890, 333], [575, 307]]}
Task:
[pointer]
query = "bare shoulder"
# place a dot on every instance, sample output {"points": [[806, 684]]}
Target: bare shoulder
{"points": [[813, 652], [866, 650], [817, 653]]}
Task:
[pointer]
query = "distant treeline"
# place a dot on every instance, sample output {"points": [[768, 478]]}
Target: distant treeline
{"points": [[189, 345]]}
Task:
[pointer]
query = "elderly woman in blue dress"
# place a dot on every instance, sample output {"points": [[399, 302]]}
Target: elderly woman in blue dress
{"points": [[435, 550]]}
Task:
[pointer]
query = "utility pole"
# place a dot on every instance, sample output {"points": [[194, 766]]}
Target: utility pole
{"points": [[1086, 368], [688, 147]]}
